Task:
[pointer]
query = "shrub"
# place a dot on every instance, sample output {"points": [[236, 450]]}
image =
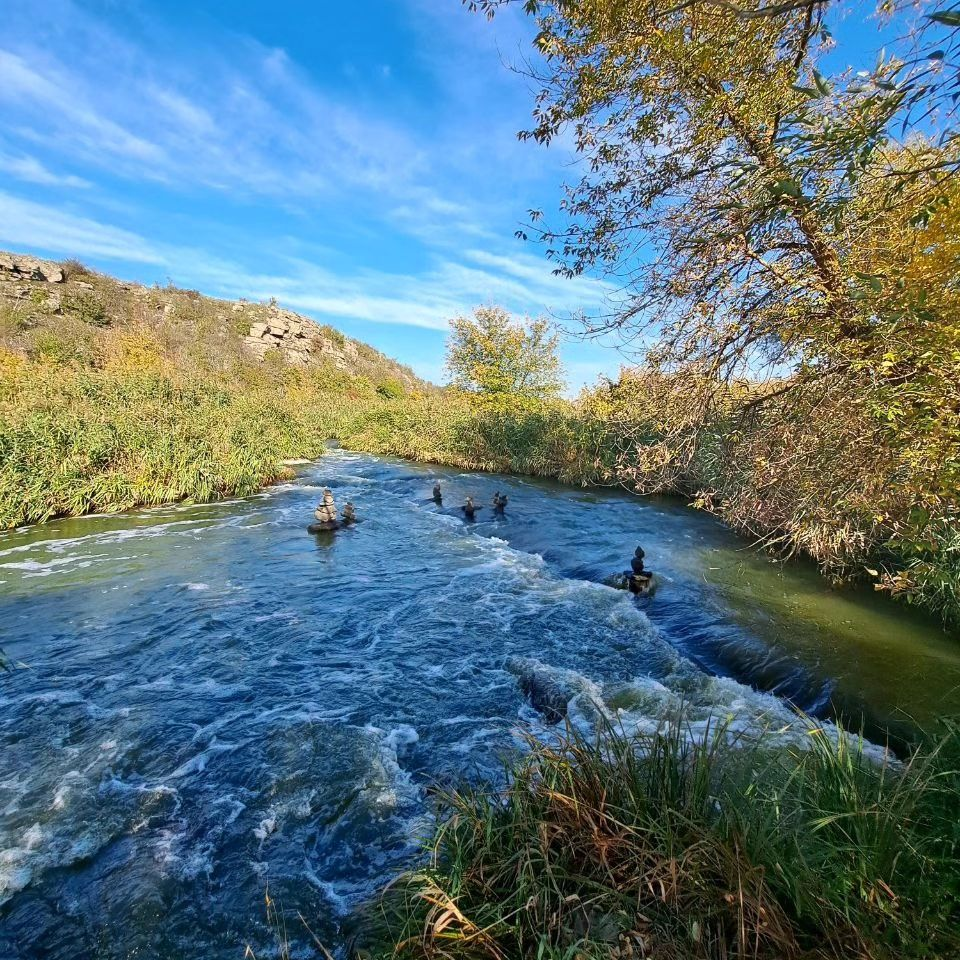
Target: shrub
{"points": [[11, 322], [87, 307], [59, 347], [334, 335], [391, 389], [72, 269]]}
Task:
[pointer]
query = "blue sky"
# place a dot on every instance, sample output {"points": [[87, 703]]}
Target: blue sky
{"points": [[357, 161]]}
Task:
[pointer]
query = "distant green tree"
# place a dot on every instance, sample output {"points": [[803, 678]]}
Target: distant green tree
{"points": [[492, 353]]}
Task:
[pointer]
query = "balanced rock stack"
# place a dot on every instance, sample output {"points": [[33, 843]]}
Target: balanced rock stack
{"points": [[326, 512], [638, 578]]}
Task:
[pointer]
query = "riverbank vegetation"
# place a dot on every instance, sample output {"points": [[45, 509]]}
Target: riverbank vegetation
{"points": [[692, 845], [111, 416], [114, 396], [797, 297]]}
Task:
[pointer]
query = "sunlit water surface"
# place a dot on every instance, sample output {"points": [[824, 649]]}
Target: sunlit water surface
{"points": [[210, 700]]}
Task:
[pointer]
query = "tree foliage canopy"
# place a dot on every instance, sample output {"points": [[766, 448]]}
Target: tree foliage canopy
{"points": [[491, 353], [771, 222]]}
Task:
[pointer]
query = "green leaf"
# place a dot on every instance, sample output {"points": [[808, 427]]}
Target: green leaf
{"points": [[786, 188], [949, 17]]}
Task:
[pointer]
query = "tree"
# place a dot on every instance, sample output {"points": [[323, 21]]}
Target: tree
{"points": [[770, 222], [765, 220], [491, 353], [723, 172]]}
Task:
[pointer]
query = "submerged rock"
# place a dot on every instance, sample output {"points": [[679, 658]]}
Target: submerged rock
{"points": [[323, 527], [549, 690]]}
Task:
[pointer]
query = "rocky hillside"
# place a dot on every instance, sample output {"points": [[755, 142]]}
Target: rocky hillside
{"points": [[46, 307]]}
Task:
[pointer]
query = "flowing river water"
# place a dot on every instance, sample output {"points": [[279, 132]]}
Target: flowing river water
{"points": [[209, 701]]}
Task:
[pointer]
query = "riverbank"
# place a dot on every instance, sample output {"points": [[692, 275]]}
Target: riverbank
{"points": [[139, 431], [695, 844], [114, 396], [878, 533]]}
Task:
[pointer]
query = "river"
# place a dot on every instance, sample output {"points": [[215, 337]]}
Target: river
{"points": [[209, 701]]}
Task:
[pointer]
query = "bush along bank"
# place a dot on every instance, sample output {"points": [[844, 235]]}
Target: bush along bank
{"points": [[698, 846]]}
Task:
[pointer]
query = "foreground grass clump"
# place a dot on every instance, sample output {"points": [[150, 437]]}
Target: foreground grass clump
{"points": [[667, 847]]}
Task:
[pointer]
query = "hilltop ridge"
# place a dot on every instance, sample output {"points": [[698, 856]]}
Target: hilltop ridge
{"points": [[41, 300]]}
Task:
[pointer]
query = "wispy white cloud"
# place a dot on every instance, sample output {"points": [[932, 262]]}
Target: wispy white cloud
{"points": [[535, 272], [247, 122], [448, 286], [46, 98], [26, 224], [341, 206], [430, 298], [30, 170]]}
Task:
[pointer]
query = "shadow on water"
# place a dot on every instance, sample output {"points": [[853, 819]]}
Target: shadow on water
{"points": [[209, 709]]}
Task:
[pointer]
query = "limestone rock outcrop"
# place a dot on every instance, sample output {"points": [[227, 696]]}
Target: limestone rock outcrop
{"points": [[298, 339], [302, 342], [30, 268]]}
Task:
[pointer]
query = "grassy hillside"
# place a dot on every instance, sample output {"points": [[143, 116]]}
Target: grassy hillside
{"points": [[114, 395]]}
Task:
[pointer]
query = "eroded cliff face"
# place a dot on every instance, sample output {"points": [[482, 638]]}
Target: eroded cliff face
{"points": [[38, 294]]}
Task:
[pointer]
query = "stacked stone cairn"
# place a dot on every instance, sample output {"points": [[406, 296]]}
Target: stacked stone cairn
{"points": [[326, 513], [638, 579]]}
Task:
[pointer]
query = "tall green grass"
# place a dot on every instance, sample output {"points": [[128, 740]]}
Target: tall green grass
{"points": [[540, 439], [114, 396], [75, 440], [675, 847]]}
